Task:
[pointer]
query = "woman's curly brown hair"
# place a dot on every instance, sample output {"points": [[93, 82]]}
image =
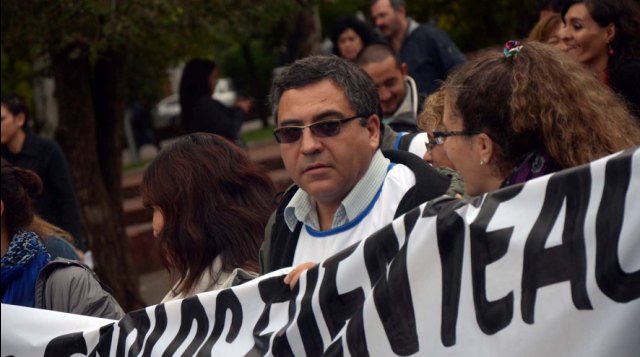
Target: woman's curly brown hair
{"points": [[540, 99]]}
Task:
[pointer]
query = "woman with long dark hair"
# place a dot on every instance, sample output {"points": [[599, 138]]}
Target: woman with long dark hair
{"points": [[199, 111], [604, 35], [210, 206]]}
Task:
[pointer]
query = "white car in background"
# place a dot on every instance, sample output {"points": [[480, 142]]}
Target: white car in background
{"points": [[167, 111]]}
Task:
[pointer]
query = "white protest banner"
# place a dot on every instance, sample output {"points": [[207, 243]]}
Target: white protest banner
{"points": [[551, 267]]}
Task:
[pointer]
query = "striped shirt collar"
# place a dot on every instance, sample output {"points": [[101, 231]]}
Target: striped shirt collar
{"points": [[302, 207]]}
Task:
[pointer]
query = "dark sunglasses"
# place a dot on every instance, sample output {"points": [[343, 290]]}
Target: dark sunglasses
{"points": [[320, 129]]}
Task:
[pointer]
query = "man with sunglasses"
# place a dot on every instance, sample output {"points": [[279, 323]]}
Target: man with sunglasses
{"points": [[327, 112]]}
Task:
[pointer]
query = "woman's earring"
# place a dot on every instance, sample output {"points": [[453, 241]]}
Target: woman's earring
{"points": [[482, 162], [611, 51]]}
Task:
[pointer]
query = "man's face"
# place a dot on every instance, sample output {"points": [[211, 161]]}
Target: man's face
{"points": [[387, 19], [390, 82], [327, 168], [11, 125]]}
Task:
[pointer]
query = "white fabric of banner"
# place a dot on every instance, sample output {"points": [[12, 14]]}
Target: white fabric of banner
{"points": [[551, 267]]}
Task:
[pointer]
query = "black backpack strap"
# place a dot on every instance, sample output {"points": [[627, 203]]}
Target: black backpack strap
{"points": [[429, 182], [61, 263]]}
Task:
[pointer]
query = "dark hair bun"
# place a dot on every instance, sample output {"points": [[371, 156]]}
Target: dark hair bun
{"points": [[29, 180]]}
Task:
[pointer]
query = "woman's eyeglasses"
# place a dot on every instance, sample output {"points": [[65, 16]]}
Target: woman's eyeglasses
{"points": [[430, 145], [320, 129], [439, 136]]}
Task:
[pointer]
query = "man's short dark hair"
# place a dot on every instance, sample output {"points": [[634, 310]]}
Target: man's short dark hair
{"points": [[376, 53], [395, 4], [15, 105], [358, 87]]}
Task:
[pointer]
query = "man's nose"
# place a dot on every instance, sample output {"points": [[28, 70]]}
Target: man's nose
{"points": [[384, 94], [309, 143]]}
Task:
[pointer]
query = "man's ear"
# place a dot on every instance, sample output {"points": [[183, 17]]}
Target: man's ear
{"points": [[402, 11], [21, 119], [486, 148], [373, 127], [404, 69]]}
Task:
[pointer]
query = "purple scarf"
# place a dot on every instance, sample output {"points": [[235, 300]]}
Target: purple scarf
{"points": [[535, 164]]}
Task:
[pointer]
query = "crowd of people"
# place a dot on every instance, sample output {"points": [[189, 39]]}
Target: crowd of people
{"points": [[394, 118]]}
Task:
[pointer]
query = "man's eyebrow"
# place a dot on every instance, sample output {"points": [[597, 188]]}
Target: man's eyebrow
{"points": [[327, 114]]}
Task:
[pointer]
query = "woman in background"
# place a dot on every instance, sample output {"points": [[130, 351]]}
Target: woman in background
{"points": [[210, 206], [604, 35], [199, 111], [349, 36], [430, 120], [548, 30]]}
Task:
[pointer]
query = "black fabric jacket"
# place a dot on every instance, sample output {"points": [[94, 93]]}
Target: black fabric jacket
{"points": [[625, 80], [57, 203]]}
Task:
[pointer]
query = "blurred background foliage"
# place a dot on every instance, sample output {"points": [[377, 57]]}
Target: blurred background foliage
{"points": [[248, 38]]}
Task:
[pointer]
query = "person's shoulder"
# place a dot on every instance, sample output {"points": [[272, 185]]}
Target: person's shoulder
{"points": [[59, 247], [627, 69], [61, 269], [426, 29], [44, 145], [401, 175]]}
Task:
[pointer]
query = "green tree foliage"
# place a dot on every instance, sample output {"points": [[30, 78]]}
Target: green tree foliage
{"points": [[472, 24], [476, 24]]}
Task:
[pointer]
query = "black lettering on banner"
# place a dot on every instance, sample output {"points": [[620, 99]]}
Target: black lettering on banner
{"points": [[392, 294], [66, 345], [160, 314], [307, 324], [486, 248], [617, 284], [190, 309], [225, 300], [450, 230], [335, 349], [337, 308], [103, 348], [568, 261], [137, 320], [272, 291], [378, 250], [395, 312]]}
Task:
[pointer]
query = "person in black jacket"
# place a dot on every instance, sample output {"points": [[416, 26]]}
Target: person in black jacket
{"points": [[199, 111], [57, 203], [328, 113]]}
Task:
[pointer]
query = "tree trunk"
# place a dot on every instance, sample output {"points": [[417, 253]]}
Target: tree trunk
{"points": [[99, 207], [257, 89]]}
